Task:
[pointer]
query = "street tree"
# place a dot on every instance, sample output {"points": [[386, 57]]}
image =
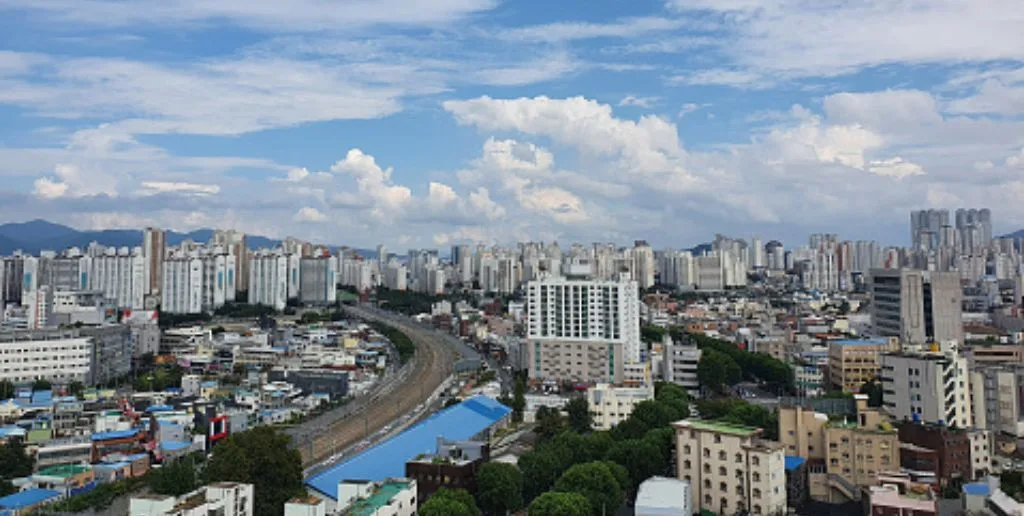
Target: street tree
{"points": [[499, 488], [554, 503], [580, 420], [596, 482]]}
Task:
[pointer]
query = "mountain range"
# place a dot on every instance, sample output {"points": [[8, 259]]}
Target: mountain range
{"points": [[35, 235]]}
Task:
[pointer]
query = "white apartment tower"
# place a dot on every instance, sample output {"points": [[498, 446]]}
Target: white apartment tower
{"points": [[585, 311], [268, 280]]}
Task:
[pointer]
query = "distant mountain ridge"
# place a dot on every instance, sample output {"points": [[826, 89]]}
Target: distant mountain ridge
{"points": [[37, 235], [1017, 234]]}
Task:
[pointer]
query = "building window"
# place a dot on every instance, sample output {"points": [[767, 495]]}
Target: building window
{"points": [[721, 455], [739, 458], [756, 461]]}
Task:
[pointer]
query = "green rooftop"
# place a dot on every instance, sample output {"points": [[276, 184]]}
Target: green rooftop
{"points": [[722, 427], [64, 470], [384, 493]]}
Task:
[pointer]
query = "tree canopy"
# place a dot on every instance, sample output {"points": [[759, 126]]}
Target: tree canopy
{"points": [[554, 503], [262, 457], [596, 482], [580, 420], [450, 502], [499, 488], [759, 367], [174, 479]]}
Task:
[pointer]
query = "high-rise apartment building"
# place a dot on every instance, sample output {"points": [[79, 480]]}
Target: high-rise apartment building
{"points": [[931, 387], [571, 310], [269, 280], [643, 264], [197, 282], [154, 249], [234, 243], [318, 284], [917, 306], [729, 467]]}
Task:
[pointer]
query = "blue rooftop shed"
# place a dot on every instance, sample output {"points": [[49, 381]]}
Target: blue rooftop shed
{"points": [[387, 459]]}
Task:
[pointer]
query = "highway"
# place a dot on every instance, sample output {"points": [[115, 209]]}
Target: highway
{"points": [[398, 394]]}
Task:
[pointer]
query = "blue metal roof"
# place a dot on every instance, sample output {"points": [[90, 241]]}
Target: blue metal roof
{"points": [[794, 462], [387, 459], [26, 498], [115, 434], [977, 489], [174, 445], [878, 341], [159, 408]]}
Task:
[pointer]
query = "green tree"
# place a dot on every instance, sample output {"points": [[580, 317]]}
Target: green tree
{"points": [[41, 385], [580, 420], [7, 488], [540, 471], [650, 333], [620, 474], [518, 401], [549, 423], [444, 507], [560, 504], [76, 389], [713, 370], [499, 488], [6, 390], [874, 392], [596, 482], [450, 501], [14, 461], [641, 458], [262, 457], [174, 479]]}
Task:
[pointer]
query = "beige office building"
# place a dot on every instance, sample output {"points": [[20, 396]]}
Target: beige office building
{"points": [[843, 455], [730, 469], [579, 361], [851, 363]]}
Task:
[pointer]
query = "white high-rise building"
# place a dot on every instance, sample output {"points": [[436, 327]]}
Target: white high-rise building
{"points": [[318, 283], [562, 309], [932, 387], [269, 280], [643, 264], [197, 282], [394, 277], [119, 273]]}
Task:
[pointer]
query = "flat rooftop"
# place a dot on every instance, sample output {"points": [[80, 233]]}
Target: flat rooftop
{"points": [[387, 460], [721, 427], [380, 498]]}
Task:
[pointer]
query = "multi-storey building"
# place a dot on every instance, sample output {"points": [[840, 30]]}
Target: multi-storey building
{"points": [[221, 498], [997, 399], [851, 363], [268, 280], [917, 306], [154, 248], [578, 311], [941, 450], [197, 282], [580, 361], [318, 284], [88, 355], [394, 276], [611, 405], [119, 273], [845, 455], [932, 387], [679, 363], [729, 468]]}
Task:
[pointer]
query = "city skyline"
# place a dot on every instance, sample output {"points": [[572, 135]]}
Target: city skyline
{"points": [[476, 120]]}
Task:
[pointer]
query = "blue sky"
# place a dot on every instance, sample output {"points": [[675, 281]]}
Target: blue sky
{"points": [[422, 124]]}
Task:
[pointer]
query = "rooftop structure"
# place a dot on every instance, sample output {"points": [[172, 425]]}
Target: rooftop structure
{"points": [[387, 460]]}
